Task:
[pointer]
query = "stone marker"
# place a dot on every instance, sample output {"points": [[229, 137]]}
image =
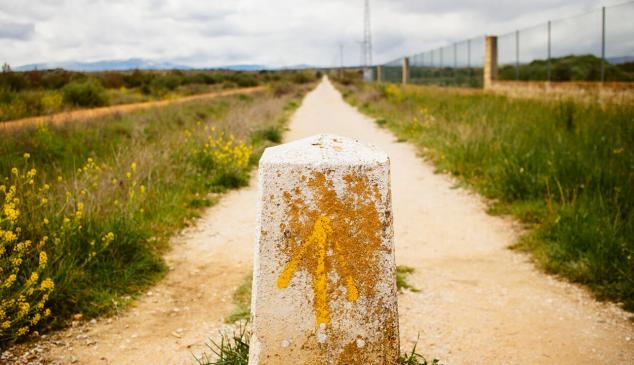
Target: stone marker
{"points": [[324, 288]]}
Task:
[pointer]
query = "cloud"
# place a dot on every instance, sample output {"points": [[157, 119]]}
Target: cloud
{"points": [[17, 31], [272, 32]]}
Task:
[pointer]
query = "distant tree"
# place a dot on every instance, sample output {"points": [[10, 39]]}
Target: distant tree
{"points": [[6, 67]]}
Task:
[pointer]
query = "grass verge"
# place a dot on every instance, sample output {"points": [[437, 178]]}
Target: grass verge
{"points": [[565, 169], [242, 301], [88, 208], [233, 349], [402, 272]]}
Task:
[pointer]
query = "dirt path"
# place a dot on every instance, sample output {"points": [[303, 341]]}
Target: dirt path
{"points": [[84, 114], [479, 302]]}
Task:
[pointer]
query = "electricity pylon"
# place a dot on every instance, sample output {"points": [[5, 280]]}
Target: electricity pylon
{"points": [[367, 36]]}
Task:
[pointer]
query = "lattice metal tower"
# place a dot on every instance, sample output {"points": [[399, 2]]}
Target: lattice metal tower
{"points": [[367, 36]]}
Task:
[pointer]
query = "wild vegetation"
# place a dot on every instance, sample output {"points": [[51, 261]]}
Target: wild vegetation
{"points": [[88, 207], [33, 93], [233, 349], [569, 68], [563, 168]]}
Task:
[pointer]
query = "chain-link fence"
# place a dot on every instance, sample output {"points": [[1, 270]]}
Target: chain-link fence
{"points": [[597, 46]]}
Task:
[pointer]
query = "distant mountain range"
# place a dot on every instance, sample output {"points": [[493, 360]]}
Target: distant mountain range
{"points": [[141, 64], [619, 60]]}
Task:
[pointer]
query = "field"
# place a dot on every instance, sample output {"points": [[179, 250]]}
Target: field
{"points": [[88, 207], [564, 169], [34, 93]]}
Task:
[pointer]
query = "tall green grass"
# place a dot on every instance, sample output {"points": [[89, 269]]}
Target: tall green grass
{"points": [[565, 168], [116, 188]]}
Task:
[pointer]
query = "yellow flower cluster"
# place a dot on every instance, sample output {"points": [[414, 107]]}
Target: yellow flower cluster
{"points": [[393, 93], [225, 152], [31, 210], [23, 290]]}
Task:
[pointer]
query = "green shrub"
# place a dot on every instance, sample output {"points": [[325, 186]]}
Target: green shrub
{"points": [[271, 134], [85, 93]]}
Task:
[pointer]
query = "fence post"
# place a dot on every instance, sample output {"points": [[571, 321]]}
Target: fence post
{"points": [[469, 53], [455, 63], [324, 289], [379, 73], [517, 55], [549, 50], [490, 60], [469, 59], [405, 70], [603, 44]]}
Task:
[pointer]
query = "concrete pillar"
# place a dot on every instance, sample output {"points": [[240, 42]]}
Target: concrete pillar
{"points": [[405, 70], [379, 73], [324, 288], [490, 60]]}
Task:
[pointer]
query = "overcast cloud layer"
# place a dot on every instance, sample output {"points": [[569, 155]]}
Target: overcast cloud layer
{"points": [[276, 33]]}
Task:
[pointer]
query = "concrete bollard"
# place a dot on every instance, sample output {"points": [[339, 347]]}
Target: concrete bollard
{"points": [[405, 71], [490, 60], [324, 289]]}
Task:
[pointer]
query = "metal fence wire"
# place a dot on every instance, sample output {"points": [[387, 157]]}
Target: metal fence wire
{"points": [[596, 46]]}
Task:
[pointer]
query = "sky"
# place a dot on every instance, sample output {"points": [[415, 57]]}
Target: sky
{"points": [[274, 33]]}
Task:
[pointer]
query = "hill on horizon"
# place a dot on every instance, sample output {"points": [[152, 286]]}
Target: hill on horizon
{"points": [[129, 64]]}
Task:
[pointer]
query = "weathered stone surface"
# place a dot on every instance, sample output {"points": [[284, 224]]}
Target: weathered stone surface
{"points": [[324, 288]]}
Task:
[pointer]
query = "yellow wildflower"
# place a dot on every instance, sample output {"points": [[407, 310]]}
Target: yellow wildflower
{"points": [[45, 221], [47, 284], [24, 308], [43, 258], [27, 156], [10, 280], [10, 236], [14, 171], [35, 319], [133, 166]]}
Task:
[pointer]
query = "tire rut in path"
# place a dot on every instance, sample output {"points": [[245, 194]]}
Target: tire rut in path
{"points": [[479, 302]]}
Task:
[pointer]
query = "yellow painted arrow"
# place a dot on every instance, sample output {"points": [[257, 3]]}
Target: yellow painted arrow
{"points": [[318, 239]]}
